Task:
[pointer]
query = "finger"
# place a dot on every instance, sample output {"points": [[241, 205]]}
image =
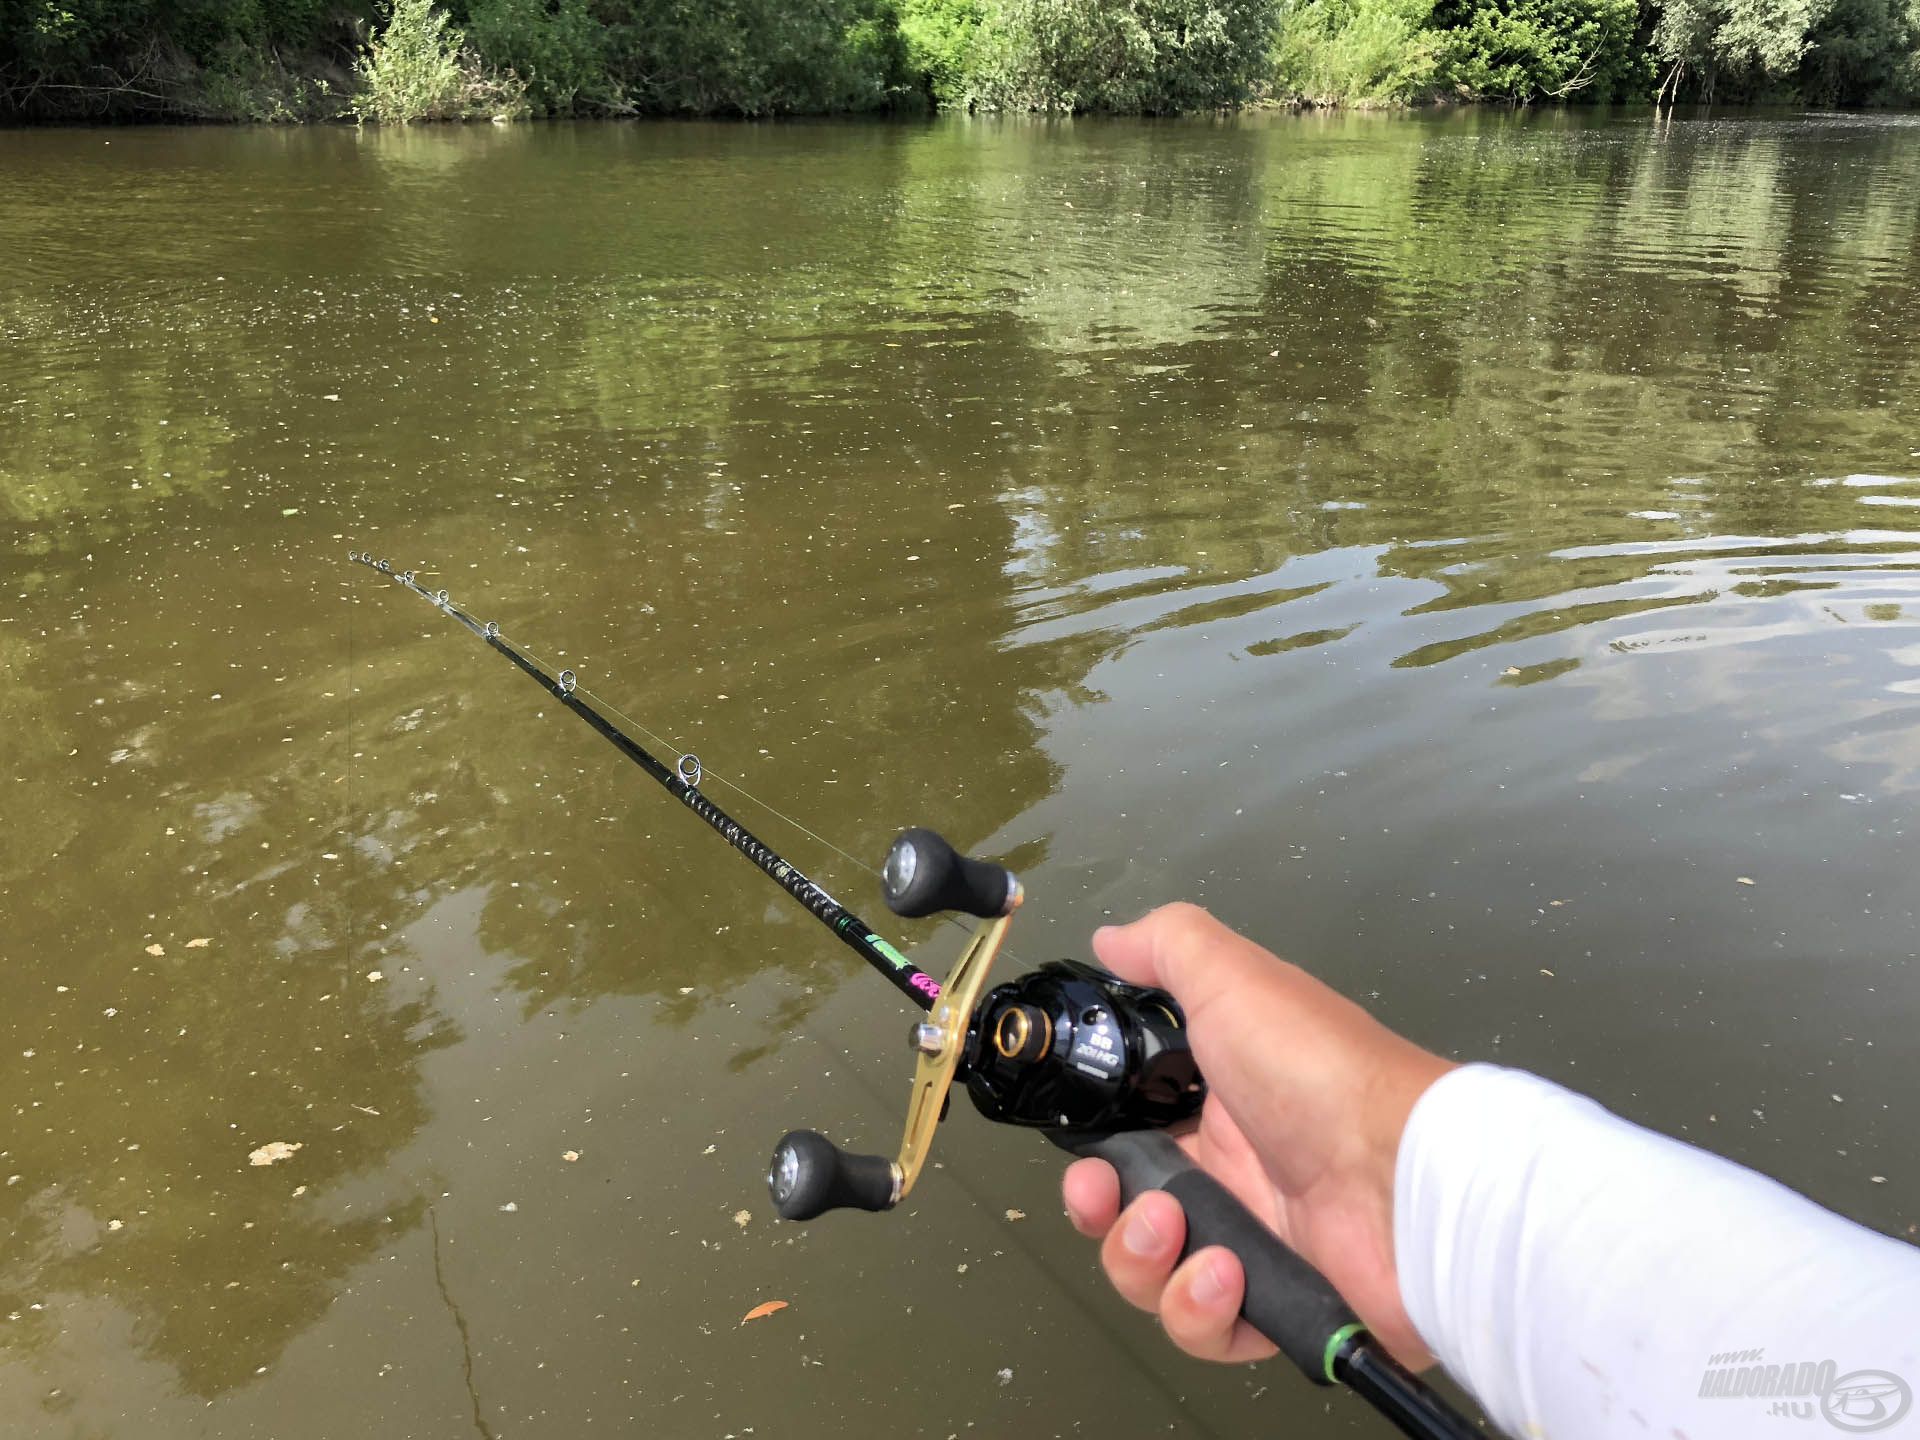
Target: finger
{"points": [[1140, 1251], [1183, 949], [1239, 997], [1091, 1189], [1200, 1309]]}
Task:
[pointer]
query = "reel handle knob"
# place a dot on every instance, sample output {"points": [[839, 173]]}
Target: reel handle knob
{"points": [[924, 875], [810, 1175]]}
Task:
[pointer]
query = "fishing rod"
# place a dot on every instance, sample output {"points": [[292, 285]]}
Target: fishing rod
{"points": [[1099, 1066]]}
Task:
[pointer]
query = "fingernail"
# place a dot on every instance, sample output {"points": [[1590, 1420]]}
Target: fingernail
{"points": [[1140, 1237], [1209, 1286]]}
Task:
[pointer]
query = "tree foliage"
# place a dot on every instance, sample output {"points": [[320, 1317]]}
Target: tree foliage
{"points": [[1363, 52], [940, 38], [309, 59], [559, 49], [1521, 50], [1157, 57], [1745, 42]]}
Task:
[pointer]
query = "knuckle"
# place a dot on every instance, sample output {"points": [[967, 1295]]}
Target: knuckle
{"points": [[1199, 1337], [1203, 1331], [1185, 915], [1185, 927]]}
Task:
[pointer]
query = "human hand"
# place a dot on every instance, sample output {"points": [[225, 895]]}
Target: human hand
{"points": [[1308, 1096]]}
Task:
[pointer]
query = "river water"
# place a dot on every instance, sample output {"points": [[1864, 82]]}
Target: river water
{"points": [[1477, 555]]}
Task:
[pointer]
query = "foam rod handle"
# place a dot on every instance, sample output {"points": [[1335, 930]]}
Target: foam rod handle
{"points": [[924, 875], [810, 1175], [1288, 1301]]}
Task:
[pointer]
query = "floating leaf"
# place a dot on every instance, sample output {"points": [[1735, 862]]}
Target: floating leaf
{"points": [[762, 1310], [199, 944], [1742, 880], [273, 1152], [156, 949]]}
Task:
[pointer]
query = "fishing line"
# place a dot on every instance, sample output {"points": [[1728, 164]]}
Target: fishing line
{"points": [[491, 631], [683, 779], [1102, 1067]]}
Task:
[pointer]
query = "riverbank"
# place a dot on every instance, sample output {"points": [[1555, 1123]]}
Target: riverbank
{"points": [[130, 60]]}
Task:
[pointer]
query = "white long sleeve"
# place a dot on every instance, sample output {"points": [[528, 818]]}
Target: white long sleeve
{"points": [[1584, 1277]]}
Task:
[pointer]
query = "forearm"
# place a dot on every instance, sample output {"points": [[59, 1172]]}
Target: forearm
{"points": [[1580, 1274]]}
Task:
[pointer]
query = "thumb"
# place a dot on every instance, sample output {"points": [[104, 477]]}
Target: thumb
{"points": [[1182, 949]]}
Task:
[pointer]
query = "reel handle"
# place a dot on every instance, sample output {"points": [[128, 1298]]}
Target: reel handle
{"points": [[1288, 1301], [810, 1175], [923, 874]]}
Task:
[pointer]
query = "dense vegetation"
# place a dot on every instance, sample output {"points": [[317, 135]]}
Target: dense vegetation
{"points": [[414, 59]]}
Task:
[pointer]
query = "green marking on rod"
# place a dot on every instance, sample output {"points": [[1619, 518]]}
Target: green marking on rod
{"points": [[894, 957], [1335, 1341]]}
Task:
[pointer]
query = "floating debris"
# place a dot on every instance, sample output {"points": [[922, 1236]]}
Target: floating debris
{"points": [[274, 1151]]}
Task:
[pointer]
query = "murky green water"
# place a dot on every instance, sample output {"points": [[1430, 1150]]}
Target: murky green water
{"points": [[1464, 552]]}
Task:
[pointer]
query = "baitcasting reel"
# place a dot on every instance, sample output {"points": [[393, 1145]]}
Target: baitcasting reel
{"points": [[1067, 1048]]}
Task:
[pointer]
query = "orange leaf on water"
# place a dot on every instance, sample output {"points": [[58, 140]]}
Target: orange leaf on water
{"points": [[763, 1309]]}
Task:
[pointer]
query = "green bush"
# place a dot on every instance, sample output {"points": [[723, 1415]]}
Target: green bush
{"points": [[559, 49], [417, 68], [255, 86], [1156, 57], [411, 70], [939, 36], [1522, 50], [1864, 52], [1355, 52], [757, 57]]}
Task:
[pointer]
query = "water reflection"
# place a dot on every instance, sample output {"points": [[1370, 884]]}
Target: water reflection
{"points": [[1455, 548]]}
